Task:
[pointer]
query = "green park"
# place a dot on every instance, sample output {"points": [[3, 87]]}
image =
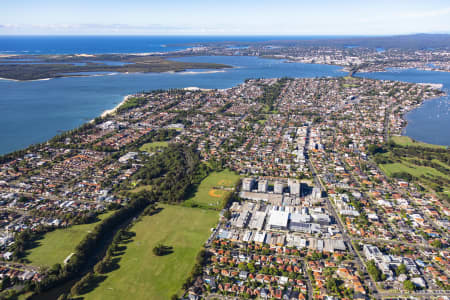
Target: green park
{"points": [[142, 274], [214, 190]]}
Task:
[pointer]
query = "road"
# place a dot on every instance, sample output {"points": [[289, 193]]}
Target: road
{"points": [[308, 281], [345, 236], [423, 294]]}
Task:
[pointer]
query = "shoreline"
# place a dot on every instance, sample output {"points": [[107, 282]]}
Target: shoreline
{"points": [[199, 72], [405, 114], [114, 109], [17, 80], [196, 88], [393, 69], [95, 74]]}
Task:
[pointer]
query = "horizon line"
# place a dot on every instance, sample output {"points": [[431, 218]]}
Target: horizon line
{"points": [[215, 35]]}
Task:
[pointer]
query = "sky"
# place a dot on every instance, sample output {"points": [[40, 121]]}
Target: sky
{"points": [[225, 17]]}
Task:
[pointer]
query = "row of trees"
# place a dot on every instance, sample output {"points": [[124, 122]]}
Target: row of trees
{"points": [[108, 264], [376, 273], [425, 153], [176, 172], [174, 164], [202, 259], [88, 247]]}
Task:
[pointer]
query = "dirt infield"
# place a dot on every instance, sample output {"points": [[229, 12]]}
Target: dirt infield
{"points": [[215, 193], [214, 190]]}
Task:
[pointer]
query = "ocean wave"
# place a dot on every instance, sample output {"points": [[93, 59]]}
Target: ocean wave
{"points": [[9, 79], [200, 72]]}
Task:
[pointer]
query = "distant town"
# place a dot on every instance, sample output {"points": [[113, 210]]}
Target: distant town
{"points": [[422, 52]]}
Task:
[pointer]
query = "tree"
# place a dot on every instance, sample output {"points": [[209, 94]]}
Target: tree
{"points": [[83, 285], [243, 266], [403, 175], [251, 267], [374, 271], [5, 283], [374, 149], [333, 285], [409, 285], [161, 250], [401, 269], [55, 269], [227, 214], [437, 244], [63, 296], [103, 266]]}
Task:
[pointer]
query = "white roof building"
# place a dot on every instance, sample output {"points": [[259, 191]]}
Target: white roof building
{"points": [[278, 219], [259, 237]]}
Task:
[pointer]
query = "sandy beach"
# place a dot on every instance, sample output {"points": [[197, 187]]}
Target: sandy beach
{"points": [[42, 79], [113, 110], [194, 88], [200, 72]]}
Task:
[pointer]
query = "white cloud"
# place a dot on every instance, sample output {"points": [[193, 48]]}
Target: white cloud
{"points": [[71, 28], [406, 15], [426, 14]]}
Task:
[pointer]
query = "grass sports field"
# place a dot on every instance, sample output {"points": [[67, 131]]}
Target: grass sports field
{"points": [[60, 243], [425, 165], [142, 275], [214, 189], [414, 170], [152, 147]]}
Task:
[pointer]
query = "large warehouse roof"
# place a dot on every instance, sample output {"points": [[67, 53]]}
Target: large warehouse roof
{"points": [[279, 218]]}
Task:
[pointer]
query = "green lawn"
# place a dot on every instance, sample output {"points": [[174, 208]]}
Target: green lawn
{"points": [[152, 147], [262, 122], [425, 162], [60, 243], [214, 189], [414, 170], [407, 141], [140, 188], [440, 163], [142, 275], [24, 296]]}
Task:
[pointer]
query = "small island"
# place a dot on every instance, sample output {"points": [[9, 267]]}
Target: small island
{"points": [[38, 67]]}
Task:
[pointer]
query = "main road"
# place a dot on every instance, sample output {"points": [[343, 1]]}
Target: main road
{"points": [[318, 183]]}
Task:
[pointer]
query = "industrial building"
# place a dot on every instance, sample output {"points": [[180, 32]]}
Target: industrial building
{"points": [[278, 220]]}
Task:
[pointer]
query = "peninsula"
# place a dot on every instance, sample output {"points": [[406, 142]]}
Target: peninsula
{"points": [[275, 187]]}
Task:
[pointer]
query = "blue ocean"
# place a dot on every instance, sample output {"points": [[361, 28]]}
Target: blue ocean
{"points": [[34, 111], [118, 44]]}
